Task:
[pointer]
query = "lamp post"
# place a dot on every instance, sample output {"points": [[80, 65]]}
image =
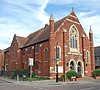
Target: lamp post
{"points": [[56, 71]]}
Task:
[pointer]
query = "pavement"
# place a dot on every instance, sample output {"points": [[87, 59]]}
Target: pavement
{"points": [[43, 83]]}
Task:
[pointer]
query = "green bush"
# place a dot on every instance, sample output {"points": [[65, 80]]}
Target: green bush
{"points": [[33, 74], [22, 72], [71, 74], [26, 72], [62, 77], [17, 72], [96, 73], [79, 75]]}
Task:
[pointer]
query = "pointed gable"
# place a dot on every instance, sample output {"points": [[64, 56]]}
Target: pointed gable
{"points": [[43, 34], [73, 18], [21, 41], [58, 23]]}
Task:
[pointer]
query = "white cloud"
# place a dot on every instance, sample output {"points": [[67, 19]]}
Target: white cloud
{"points": [[21, 17], [80, 2], [62, 2], [24, 16], [31, 9], [88, 20]]}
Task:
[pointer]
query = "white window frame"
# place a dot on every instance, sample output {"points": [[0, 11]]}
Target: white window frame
{"points": [[75, 50]]}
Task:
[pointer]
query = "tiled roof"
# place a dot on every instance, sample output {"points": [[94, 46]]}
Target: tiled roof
{"points": [[58, 23], [38, 36], [21, 41], [7, 49], [42, 34]]}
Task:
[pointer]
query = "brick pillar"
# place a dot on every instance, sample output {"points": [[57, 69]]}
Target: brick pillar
{"points": [[33, 55], [91, 49], [19, 59], [84, 55], [26, 59], [64, 52], [40, 61], [51, 46]]}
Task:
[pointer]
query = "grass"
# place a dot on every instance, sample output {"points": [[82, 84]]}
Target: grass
{"points": [[32, 79]]}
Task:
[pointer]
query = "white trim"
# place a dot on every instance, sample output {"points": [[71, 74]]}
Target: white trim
{"points": [[82, 63], [64, 30], [74, 53], [45, 49], [76, 50], [73, 16], [75, 65], [73, 21]]}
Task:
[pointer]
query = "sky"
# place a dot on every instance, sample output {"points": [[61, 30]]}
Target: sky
{"points": [[22, 17]]}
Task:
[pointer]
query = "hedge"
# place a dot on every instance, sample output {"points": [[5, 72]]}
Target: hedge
{"points": [[71, 74], [96, 73], [22, 72]]}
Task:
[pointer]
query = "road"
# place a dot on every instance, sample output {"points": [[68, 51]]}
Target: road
{"points": [[83, 85]]}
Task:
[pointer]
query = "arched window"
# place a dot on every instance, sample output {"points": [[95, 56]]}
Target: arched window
{"points": [[79, 67], [46, 54], [58, 52], [87, 56], [73, 38], [72, 65]]}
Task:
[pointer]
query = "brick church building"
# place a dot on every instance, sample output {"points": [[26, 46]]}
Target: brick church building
{"points": [[64, 39]]}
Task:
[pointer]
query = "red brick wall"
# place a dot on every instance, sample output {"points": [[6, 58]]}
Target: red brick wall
{"points": [[42, 67], [58, 38], [1, 60]]}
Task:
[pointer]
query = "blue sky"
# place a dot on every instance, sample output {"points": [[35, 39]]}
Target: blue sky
{"points": [[22, 17]]}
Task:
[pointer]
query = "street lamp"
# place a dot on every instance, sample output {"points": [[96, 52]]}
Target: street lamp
{"points": [[56, 71]]}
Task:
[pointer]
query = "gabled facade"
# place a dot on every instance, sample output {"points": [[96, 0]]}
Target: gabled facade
{"points": [[64, 39], [13, 54]]}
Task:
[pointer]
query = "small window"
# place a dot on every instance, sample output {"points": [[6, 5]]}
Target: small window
{"points": [[36, 48], [87, 56], [58, 52], [46, 54], [72, 65], [30, 50], [23, 52]]}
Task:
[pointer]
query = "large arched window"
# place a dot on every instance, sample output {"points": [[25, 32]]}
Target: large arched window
{"points": [[73, 38]]}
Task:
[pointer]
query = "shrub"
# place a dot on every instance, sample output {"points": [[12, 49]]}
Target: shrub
{"points": [[33, 74], [22, 72], [71, 74], [79, 75], [62, 77], [26, 72], [96, 73], [17, 72]]}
